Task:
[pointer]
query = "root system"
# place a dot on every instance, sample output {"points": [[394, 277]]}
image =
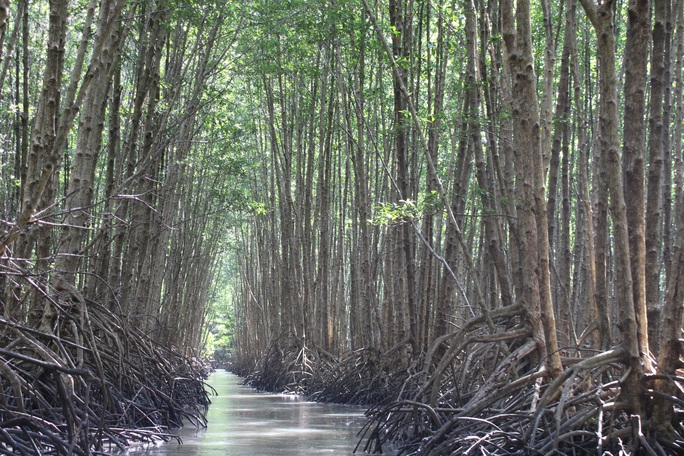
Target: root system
{"points": [[90, 385]]}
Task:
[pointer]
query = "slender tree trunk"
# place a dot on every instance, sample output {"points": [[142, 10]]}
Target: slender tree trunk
{"points": [[667, 220], [557, 143], [449, 287], [42, 160], [133, 238], [635, 63], [596, 312], [671, 342], [81, 189], [602, 18], [654, 201], [530, 198], [547, 93], [401, 42], [428, 268], [673, 311], [361, 262], [486, 181], [677, 157]]}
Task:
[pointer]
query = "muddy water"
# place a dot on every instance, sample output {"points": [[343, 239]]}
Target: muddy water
{"points": [[243, 422]]}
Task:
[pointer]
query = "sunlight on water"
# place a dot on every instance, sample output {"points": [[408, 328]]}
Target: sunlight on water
{"points": [[244, 422]]}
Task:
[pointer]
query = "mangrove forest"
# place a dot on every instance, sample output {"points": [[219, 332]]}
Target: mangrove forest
{"points": [[464, 215]]}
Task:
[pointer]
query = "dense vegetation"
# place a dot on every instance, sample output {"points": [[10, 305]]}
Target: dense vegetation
{"points": [[118, 182], [468, 215]]}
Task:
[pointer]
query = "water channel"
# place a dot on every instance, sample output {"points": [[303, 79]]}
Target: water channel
{"points": [[244, 422]]}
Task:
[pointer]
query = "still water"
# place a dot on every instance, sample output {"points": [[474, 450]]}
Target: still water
{"points": [[245, 422]]}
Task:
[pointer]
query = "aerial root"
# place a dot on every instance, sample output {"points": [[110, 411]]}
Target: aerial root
{"points": [[518, 413], [496, 424], [92, 389], [361, 377], [482, 390], [285, 366]]}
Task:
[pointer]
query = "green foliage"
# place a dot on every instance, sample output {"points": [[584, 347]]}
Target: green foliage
{"points": [[406, 210], [219, 327], [219, 341]]}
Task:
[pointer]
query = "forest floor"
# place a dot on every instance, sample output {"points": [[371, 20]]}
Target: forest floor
{"points": [[91, 385], [474, 392]]}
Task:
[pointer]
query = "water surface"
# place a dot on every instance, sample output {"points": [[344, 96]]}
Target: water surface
{"points": [[244, 422]]}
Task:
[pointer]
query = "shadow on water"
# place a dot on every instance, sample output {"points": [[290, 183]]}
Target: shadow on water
{"points": [[245, 422]]}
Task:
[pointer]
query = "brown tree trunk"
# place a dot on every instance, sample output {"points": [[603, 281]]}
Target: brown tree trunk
{"points": [[635, 63], [81, 188], [141, 167], [42, 161], [530, 197], [602, 18], [596, 309], [671, 342], [486, 180], [654, 197], [559, 142], [400, 20], [673, 312]]}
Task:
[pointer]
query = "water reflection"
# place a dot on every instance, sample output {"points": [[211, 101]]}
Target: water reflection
{"points": [[244, 422]]}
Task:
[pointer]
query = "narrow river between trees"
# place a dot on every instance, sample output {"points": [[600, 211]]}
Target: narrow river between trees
{"points": [[244, 422]]}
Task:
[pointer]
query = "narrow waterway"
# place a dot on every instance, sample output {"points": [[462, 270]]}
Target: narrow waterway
{"points": [[244, 422]]}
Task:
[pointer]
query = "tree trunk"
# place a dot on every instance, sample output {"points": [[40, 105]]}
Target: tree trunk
{"points": [[602, 18], [400, 20], [81, 188], [530, 197], [635, 63], [559, 142], [671, 342], [655, 171]]}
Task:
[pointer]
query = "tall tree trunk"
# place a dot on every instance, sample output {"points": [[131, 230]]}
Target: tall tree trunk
{"points": [[131, 243], [361, 236], [547, 91], [602, 18], [400, 20], [43, 158], [436, 89], [671, 342], [486, 180], [81, 188], [677, 150], [656, 169], [558, 141], [673, 311], [635, 63], [530, 198], [597, 310]]}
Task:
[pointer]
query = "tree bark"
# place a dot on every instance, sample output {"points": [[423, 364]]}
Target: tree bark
{"points": [[602, 18], [530, 197], [80, 192], [655, 171], [635, 63]]}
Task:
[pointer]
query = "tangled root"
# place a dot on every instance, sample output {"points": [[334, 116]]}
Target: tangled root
{"points": [[91, 386]]}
